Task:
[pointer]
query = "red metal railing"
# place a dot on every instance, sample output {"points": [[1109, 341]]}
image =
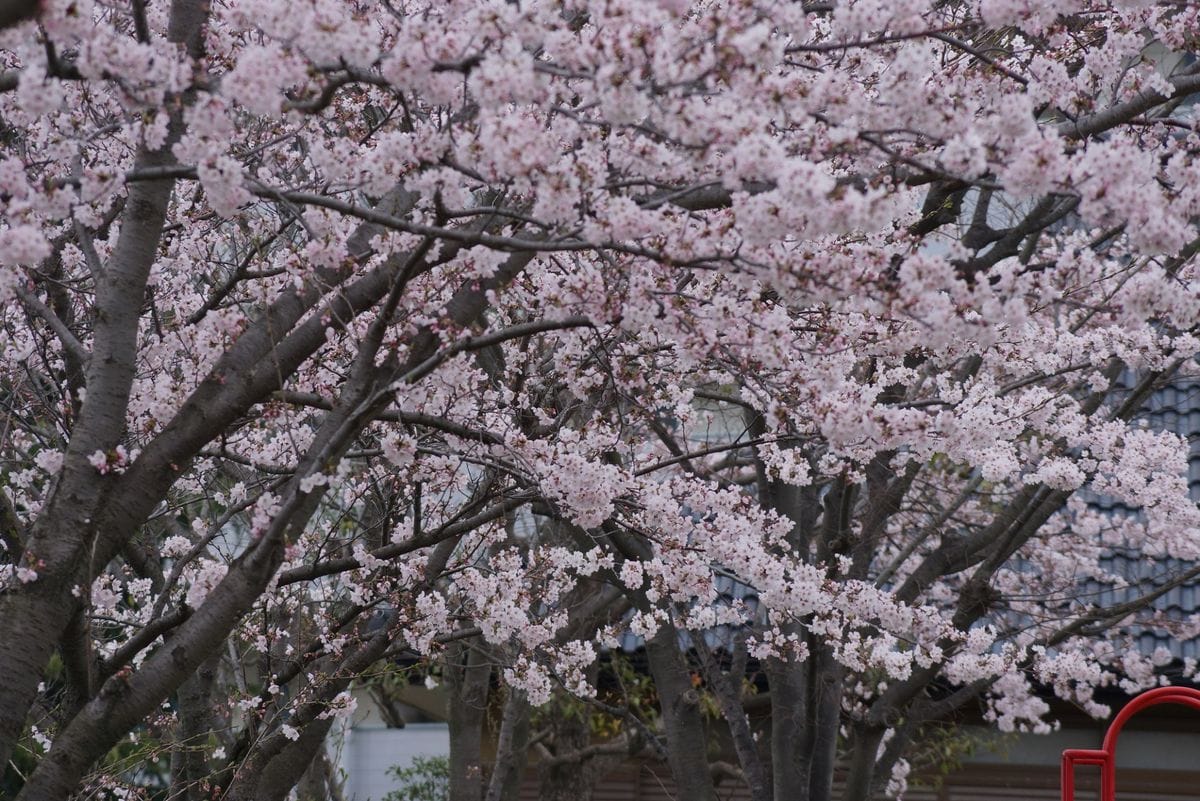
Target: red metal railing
{"points": [[1105, 756]]}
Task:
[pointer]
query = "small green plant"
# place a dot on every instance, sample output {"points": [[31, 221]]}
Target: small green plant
{"points": [[426, 779], [941, 748]]}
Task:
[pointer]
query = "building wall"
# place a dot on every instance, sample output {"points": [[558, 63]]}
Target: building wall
{"points": [[1151, 766], [368, 752]]}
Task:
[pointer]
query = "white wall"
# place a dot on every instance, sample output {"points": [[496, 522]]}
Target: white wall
{"points": [[368, 752]]}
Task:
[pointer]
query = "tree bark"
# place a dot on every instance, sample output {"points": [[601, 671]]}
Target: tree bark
{"points": [[123, 702], [687, 738], [319, 782], [791, 730], [286, 769], [860, 777], [512, 747], [825, 694], [468, 676], [189, 762], [33, 619], [727, 688], [276, 763], [565, 779]]}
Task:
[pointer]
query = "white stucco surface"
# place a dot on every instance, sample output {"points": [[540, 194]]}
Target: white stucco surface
{"points": [[368, 753]]}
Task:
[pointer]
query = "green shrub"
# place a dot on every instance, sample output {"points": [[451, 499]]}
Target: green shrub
{"points": [[426, 779]]}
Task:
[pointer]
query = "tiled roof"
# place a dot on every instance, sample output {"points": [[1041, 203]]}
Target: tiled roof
{"points": [[1174, 408], [1177, 408]]}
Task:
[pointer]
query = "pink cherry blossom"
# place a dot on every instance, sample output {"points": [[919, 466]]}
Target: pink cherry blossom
{"points": [[489, 337]]}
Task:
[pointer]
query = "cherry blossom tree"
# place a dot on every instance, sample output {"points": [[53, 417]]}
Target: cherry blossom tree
{"points": [[485, 332]]}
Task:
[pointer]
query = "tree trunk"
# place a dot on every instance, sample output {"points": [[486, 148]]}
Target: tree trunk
{"points": [[512, 748], [687, 738], [123, 702], [860, 780], [727, 688], [468, 675], [566, 780], [189, 762], [791, 730], [318, 782], [825, 688], [33, 618], [31, 624], [286, 769]]}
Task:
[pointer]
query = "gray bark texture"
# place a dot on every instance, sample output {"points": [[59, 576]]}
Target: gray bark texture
{"points": [[512, 749], [468, 676], [686, 734], [33, 621]]}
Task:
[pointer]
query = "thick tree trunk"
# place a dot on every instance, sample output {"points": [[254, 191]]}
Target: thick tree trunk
{"points": [[687, 738], [33, 619], [31, 624], [825, 701], [512, 748], [727, 688], [319, 782], [123, 702], [468, 675], [189, 761], [791, 730], [860, 779], [285, 770], [565, 780]]}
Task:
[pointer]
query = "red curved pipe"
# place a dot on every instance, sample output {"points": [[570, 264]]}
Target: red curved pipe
{"points": [[1105, 756]]}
